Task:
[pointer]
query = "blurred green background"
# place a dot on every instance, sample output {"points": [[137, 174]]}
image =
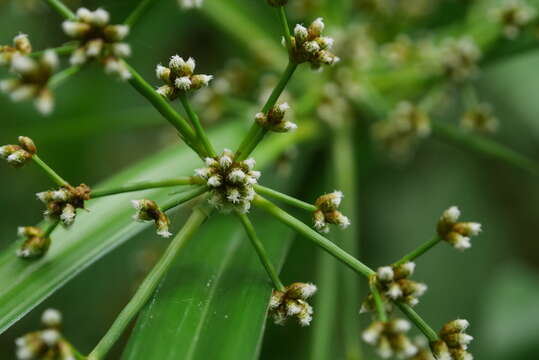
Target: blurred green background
{"points": [[101, 125]]}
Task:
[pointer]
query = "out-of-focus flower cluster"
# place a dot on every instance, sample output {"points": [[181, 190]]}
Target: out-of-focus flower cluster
{"points": [[292, 302], [274, 120], [514, 15], [390, 338], [480, 118]]}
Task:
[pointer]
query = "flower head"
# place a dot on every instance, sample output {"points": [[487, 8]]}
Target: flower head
{"points": [[148, 210], [308, 45], [390, 338], [35, 244], [179, 77], [454, 341], [458, 234], [327, 212], [480, 118], [292, 302], [21, 46], [514, 15], [62, 204], [274, 119], [18, 155], [459, 58]]}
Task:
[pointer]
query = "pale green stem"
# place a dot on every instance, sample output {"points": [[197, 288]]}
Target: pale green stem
{"points": [[418, 321], [485, 146], [164, 108], [61, 9], [50, 228], [285, 198], [201, 133], [418, 252], [149, 284], [286, 29], [184, 197], [49, 171], [137, 13], [257, 133], [144, 185], [314, 236], [378, 302], [62, 76], [261, 251], [60, 50]]}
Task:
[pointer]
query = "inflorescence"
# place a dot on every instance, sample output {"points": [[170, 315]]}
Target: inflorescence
{"points": [[18, 155], [308, 45], [454, 341], [274, 120], [62, 203], [390, 338], [179, 77], [327, 212], [456, 233], [148, 210], [292, 302], [36, 243]]}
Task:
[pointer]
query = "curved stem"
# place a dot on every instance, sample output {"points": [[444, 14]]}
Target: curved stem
{"points": [[49, 171], [144, 185], [419, 251], [139, 10], [314, 236], [285, 198], [261, 251], [61, 9], [201, 133], [62, 76], [50, 228], [149, 284]]}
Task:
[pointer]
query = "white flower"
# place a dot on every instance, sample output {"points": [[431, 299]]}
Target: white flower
{"points": [[23, 64], [121, 49], [100, 17], [74, 29], [452, 214], [84, 14], [308, 290], [183, 83], [250, 163], [385, 273], [225, 161], [164, 233], [50, 337], [214, 181], [318, 25], [51, 317], [236, 176], [301, 33], [50, 58], [394, 291], [68, 214], [234, 196]]}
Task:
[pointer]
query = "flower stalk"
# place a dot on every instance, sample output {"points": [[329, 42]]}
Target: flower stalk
{"points": [[145, 185], [290, 200], [419, 251], [195, 121], [49, 171]]}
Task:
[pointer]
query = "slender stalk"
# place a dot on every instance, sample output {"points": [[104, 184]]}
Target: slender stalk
{"points": [[50, 228], [139, 10], [184, 197], [418, 321], [201, 133], [419, 251], [164, 108], [49, 171], [61, 9], [149, 284], [144, 185], [485, 147], [261, 251], [62, 76], [286, 28], [60, 50], [314, 236], [257, 133], [378, 302], [285, 198]]}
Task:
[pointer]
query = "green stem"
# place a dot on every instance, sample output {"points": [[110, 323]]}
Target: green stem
{"points": [[378, 302], [149, 284], [61, 9], [418, 321], [484, 146], [60, 50], [164, 108], [257, 133], [419, 251], [261, 251], [50, 228], [62, 76], [202, 136], [314, 236], [139, 10], [184, 197], [144, 185], [52, 174], [286, 28], [285, 198]]}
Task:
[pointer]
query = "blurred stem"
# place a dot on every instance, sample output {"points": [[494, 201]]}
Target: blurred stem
{"points": [[286, 28], [60, 50], [418, 321], [183, 197], [143, 185], [61, 9], [49, 171], [261, 251], [285, 198], [146, 289], [257, 133], [62, 76], [201, 133], [164, 108], [378, 302], [50, 228], [484, 146], [137, 13], [418, 252], [314, 236]]}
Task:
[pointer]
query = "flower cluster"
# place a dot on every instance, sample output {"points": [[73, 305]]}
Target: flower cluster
{"points": [[390, 338], [459, 58], [514, 15], [147, 210], [424, 351], [394, 284], [453, 343], [292, 302], [309, 46], [274, 119], [21, 46], [35, 244], [480, 118], [178, 76], [190, 4], [18, 155], [404, 126], [99, 40], [62, 204], [47, 343], [454, 232], [230, 182], [31, 78], [327, 212]]}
